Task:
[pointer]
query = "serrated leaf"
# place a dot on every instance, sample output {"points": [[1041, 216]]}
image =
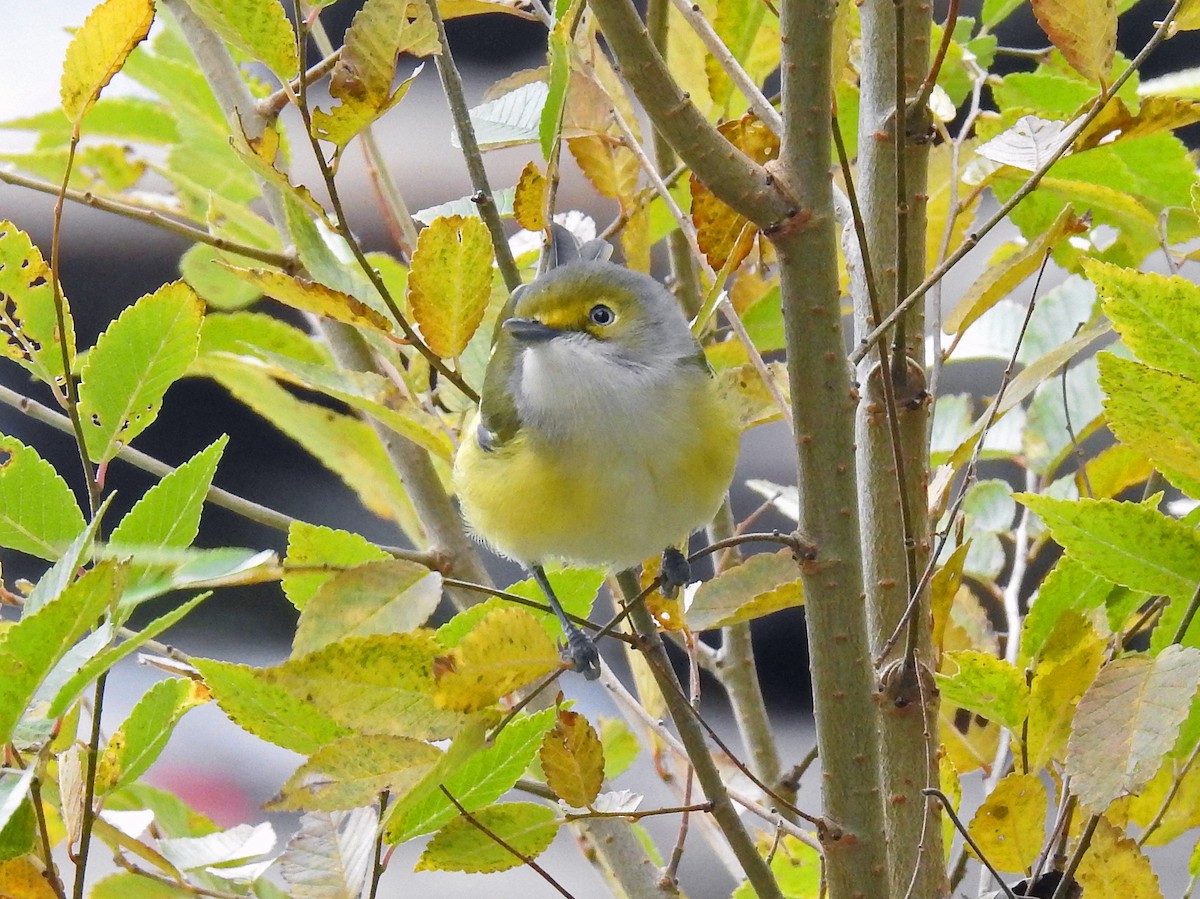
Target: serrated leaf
{"points": [[1010, 825], [1156, 412], [511, 119], [1127, 721], [39, 514], [380, 597], [169, 512], [1002, 278], [1068, 586], [132, 749], [1027, 145], [238, 844], [572, 759], [107, 658], [1158, 317], [1067, 666], [462, 846], [127, 373], [330, 855], [529, 201], [99, 49], [315, 546], [266, 709], [1085, 31], [718, 228], [1128, 543], [381, 684], [506, 650], [30, 648], [362, 78], [611, 167], [20, 878], [763, 584], [986, 685], [475, 780], [28, 321], [353, 771], [450, 282], [259, 28], [1114, 866], [313, 296]]}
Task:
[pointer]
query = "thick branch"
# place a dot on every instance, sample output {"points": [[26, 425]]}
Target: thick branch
{"points": [[732, 176]]}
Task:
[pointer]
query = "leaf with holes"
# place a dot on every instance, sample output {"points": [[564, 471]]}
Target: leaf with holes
{"points": [[99, 49], [450, 282], [471, 847], [1127, 721], [139, 356], [572, 758], [29, 333], [1010, 825], [506, 650]]}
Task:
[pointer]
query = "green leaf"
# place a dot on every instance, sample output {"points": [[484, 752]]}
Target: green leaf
{"points": [[172, 816], [136, 359], [475, 781], [38, 512], [19, 835], [1128, 543], [62, 573], [134, 886], [1157, 413], [986, 685], [763, 584], [144, 734], [169, 512], [251, 333], [353, 771], [205, 270], [450, 282], [14, 791], [107, 658], [1158, 317], [1068, 586], [556, 96], [28, 321], [621, 747], [30, 648], [266, 709], [380, 684], [1047, 438], [1127, 721], [362, 78], [311, 545], [99, 49], [258, 28], [380, 597], [462, 846]]}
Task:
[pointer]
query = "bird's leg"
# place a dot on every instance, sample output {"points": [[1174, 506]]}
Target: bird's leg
{"points": [[676, 571], [580, 650]]}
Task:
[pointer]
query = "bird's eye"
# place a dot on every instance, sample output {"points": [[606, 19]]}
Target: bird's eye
{"points": [[601, 315]]}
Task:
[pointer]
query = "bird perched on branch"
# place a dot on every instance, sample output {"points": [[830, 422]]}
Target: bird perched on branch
{"points": [[601, 437]]}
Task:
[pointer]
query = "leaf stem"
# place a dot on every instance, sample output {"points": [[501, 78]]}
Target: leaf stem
{"points": [[89, 789], [377, 867], [1189, 613], [1068, 878], [453, 87]]}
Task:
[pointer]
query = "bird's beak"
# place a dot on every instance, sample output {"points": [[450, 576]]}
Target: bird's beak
{"points": [[529, 330]]}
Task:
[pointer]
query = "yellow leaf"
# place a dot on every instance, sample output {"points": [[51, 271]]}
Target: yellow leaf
{"points": [[1189, 16], [943, 587], [952, 786], [573, 759], [20, 878], [312, 296], [1113, 471], [1155, 115], [969, 739], [635, 238], [762, 584], [749, 394], [450, 282], [1114, 866], [938, 209], [717, 226], [99, 49], [1084, 30], [1070, 659], [457, 9], [611, 167], [506, 650], [1182, 784], [1010, 825], [529, 203]]}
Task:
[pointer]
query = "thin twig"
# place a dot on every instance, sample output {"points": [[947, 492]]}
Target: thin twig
{"points": [[640, 813], [377, 865], [935, 68], [949, 809], [271, 105], [499, 840], [1188, 614], [89, 789], [155, 219], [1068, 878]]}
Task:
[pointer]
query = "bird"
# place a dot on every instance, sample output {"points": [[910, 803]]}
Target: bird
{"points": [[601, 437]]}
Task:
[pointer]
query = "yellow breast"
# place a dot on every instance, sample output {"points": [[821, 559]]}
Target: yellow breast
{"points": [[614, 494]]}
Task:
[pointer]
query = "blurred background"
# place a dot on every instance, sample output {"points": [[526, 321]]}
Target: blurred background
{"points": [[109, 261]]}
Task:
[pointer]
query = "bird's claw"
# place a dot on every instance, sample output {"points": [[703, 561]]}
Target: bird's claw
{"points": [[582, 654], [676, 571]]}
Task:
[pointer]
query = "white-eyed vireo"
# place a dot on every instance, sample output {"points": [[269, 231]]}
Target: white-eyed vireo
{"points": [[601, 437]]}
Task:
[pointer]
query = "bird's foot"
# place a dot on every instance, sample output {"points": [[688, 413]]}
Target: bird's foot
{"points": [[676, 572], [580, 651]]}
